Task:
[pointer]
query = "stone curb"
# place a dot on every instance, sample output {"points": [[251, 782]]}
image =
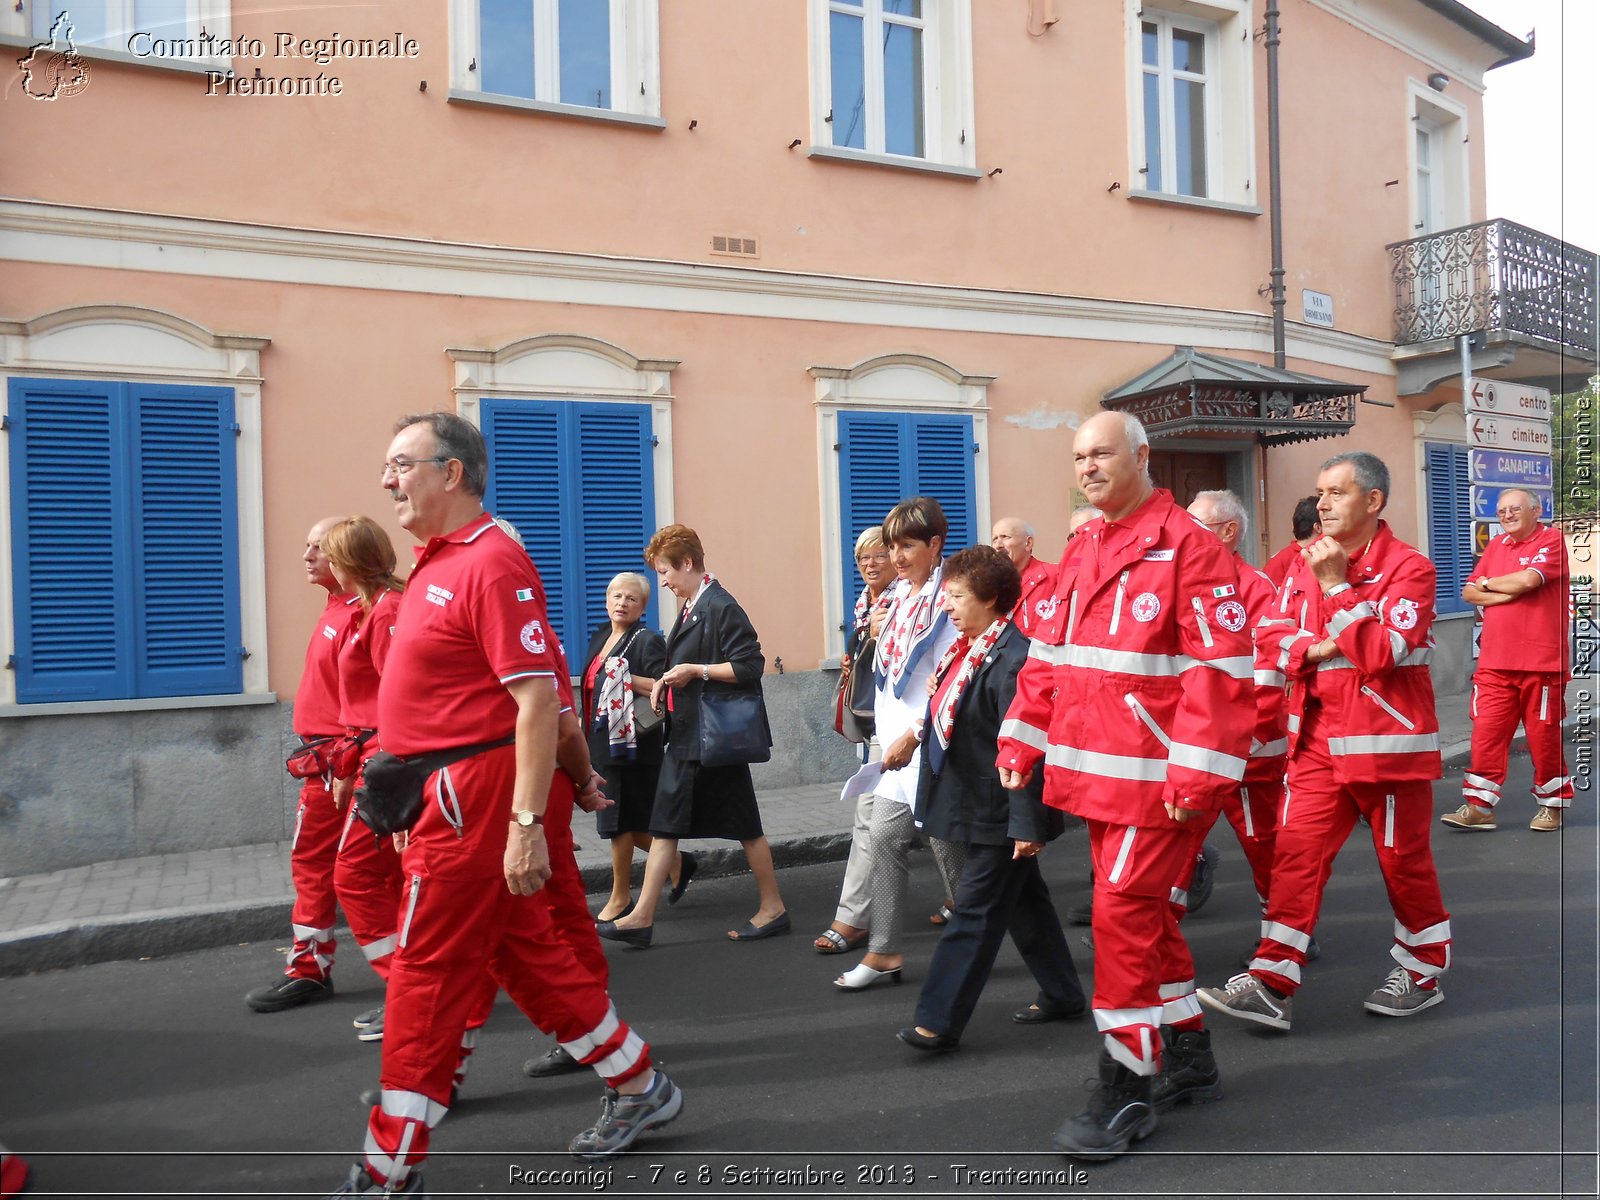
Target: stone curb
{"points": [[156, 933]]}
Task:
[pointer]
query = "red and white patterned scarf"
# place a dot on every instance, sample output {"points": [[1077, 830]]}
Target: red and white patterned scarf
{"points": [[971, 655], [614, 704], [909, 629], [706, 581]]}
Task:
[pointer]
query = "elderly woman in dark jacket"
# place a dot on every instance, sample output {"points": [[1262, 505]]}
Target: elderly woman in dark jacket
{"points": [[711, 649], [624, 659], [959, 799]]}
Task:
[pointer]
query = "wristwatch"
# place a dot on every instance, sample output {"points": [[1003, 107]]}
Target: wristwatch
{"points": [[527, 819], [705, 672]]}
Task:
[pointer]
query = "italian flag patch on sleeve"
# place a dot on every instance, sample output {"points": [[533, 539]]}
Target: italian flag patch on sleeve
{"points": [[1217, 593], [524, 593]]}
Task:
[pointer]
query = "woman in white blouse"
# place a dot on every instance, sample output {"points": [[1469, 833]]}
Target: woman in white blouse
{"points": [[913, 634]]}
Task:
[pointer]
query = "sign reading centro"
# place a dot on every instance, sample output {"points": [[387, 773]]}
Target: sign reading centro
{"points": [[1495, 396]]}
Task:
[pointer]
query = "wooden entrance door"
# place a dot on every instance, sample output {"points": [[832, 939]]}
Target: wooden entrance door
{"points": [[1186, 473]]}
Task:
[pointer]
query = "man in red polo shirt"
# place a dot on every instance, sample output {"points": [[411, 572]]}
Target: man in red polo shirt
{"points": [[472, 666], [1013, 537], [317, 823], [1521, 585]]}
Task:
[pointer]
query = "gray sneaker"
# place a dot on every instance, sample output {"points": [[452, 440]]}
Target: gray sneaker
{"points": [[361, 1184], [1401, 997], [624, 1118], [1247, 998], [369, 1025]]}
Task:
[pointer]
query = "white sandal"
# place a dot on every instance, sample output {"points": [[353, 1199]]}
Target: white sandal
{"points": [[860, 977]]}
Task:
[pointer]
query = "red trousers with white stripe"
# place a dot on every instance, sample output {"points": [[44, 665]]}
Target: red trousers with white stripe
{"points": [[1500, 700], [367, 880], [312, 854], [459, 922], [1318, 814], [1253, 813], [1138, 948]]}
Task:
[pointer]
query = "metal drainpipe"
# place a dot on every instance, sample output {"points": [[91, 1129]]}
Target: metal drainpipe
{"points": [[1274, 171]]}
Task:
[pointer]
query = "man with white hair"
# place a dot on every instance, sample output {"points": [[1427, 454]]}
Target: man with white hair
{"points": [[1135, 702], [1520, 583], [1013, 537]]}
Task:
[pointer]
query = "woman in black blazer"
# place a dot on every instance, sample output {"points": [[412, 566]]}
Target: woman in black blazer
{"points": [[629, 765], [712, 648], [959, 799]]}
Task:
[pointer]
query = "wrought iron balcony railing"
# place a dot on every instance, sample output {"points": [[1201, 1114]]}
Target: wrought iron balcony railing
{"points": [[1496, 275]]}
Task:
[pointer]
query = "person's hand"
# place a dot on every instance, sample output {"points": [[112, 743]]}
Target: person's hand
{"points": [[875, 621], [1328, 561], [342, 788], [656, 689], [527, 862], [1015, 781], [1025, 849], [678, 676], [401, 840], [1180, 815], [589, 797], [899, 754]]}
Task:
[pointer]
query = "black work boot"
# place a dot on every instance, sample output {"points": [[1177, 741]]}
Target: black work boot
{"points": [[1189, 1072], [1119, 1114]]}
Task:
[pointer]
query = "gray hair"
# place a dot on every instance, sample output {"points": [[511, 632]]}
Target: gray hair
{"points": [[634, 579], [459, 439], [1370, 472], [1082, 515], [1227, 506], [1134, 428]]}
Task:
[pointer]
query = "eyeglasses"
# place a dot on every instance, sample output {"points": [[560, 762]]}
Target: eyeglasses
{"points": [[874, 556], [403, 466], [1512, 510]]}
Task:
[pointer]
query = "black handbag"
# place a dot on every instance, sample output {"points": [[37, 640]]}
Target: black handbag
{"points": [[390, 798], [857, 720], [645, 718], [733, 729]]}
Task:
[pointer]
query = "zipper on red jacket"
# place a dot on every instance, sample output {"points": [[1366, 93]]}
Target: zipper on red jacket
{"points": [[411, 908], [1116, 608], [1386, 706], [1200, 620]]}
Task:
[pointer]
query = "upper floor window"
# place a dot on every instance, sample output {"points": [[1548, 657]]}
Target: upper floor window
{"points": [[1175, 57], [1192, 114], [1438, 162], [595, 54], [150, 30], [894, 77]]}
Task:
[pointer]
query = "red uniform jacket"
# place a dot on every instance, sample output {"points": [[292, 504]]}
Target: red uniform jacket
{"points": [[1530, 633], [1038, 596], [1278, 565], [1269, 745], [1137, 688], [1376, 693]]}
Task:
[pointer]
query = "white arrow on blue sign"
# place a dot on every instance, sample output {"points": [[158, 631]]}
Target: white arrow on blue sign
{"points": [[1484, 502], [1498, 468]]}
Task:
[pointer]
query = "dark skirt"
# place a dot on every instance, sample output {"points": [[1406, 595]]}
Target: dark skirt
{"points": [[705, 802], [633, 787]]}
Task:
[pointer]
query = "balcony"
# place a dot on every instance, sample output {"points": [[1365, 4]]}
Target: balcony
{"points": [[1531, 296]]}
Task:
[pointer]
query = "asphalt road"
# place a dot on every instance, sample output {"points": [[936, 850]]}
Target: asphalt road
{"points": [[152, 1078]]}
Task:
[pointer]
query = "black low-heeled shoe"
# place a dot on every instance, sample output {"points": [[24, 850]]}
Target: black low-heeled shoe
{"points": [[633, 937], [632, 903], [937, 1043], [686, 870]]}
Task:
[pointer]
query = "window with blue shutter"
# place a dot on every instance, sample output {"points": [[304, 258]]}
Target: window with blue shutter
{"points": [[577, 479], [125, 557], [1450, 542], [885, 458]]}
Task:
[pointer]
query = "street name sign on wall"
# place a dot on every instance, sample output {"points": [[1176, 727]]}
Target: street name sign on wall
{"points": [[1508, 433], [1495, 396], [1316, 308], [1502, 468], [1485, 500]]}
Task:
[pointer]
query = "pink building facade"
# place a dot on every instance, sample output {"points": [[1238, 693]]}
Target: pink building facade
{"points": [[760, 268]]}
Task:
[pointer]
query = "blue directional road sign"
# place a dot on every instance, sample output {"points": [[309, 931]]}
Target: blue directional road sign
{"points": [[1483, 503], [1504, 468]]}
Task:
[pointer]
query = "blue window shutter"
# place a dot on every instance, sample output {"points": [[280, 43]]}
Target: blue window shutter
{"points": [[185, 541], [70, 543], [870, 483], [941, 459], [1449, 522], [527, 465], [615, 478], [577, 479]]}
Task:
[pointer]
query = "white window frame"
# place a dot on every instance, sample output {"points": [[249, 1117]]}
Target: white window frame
{"points": [[949, 138], [1449, 129], [1229, 98], [214, 16], [119, 342], [899, 383], [635, 60]]}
